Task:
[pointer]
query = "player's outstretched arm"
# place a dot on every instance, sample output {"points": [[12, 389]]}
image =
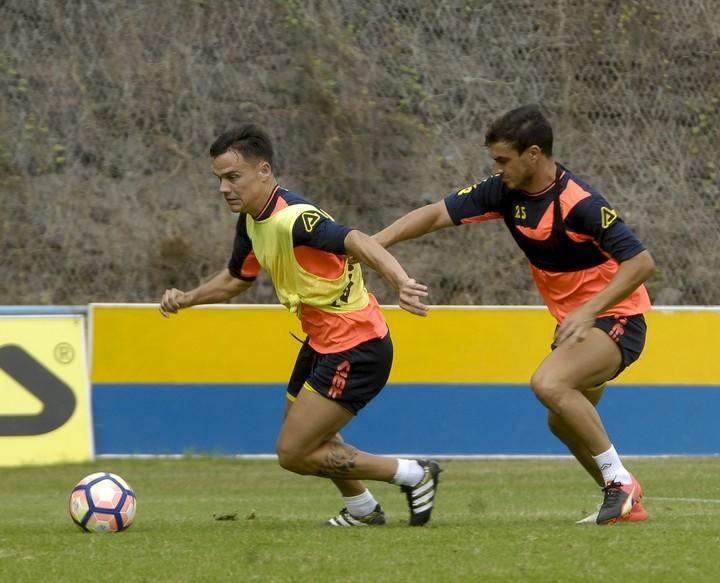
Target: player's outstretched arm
{"points": [[416, 223], [220, 288], [364, 248]]}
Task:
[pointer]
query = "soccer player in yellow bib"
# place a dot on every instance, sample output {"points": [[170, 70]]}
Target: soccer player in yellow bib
{"points": [[346, 359]]}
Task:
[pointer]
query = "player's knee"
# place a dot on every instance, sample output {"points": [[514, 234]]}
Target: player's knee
{"points": [[290, 458], [550, 390], [544, 387]]}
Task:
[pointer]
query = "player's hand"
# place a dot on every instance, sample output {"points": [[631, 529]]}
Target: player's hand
{"points": [[410, 293], [172, 301], [575, 327]]}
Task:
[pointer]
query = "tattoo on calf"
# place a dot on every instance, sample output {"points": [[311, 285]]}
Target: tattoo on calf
{"points": [[339, 461]]}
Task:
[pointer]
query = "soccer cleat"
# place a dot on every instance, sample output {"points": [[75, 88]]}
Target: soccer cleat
{"points": [[421, 496], [590, 518], [637, 514], [344, 518], [619, 501]]}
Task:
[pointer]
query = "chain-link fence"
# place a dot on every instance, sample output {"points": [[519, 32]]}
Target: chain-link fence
{"points": [[108, 109]]}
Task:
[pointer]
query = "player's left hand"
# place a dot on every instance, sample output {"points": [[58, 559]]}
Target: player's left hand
{"points": [[410, 293], [575, 327], [172, 301]]}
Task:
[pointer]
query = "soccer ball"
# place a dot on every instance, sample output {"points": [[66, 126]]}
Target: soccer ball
{"points": [[102, 502]]}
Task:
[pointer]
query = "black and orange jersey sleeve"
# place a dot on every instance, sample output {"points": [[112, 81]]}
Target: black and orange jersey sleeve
{"points": [[243, 264], [316, 229], [595, 217], [479, 202]]}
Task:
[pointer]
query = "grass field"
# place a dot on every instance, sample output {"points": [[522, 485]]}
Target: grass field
{"points": [[495, 520]]}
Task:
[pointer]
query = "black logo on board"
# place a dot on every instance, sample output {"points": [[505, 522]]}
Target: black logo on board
{"points": [[57, 398]]}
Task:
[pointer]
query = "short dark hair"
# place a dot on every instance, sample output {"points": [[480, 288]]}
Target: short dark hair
{"points": [[522, 127], [249, 140]]}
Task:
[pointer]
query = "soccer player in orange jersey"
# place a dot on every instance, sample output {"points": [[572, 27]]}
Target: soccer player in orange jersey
{"points": [[589, 268], [346, 359]]}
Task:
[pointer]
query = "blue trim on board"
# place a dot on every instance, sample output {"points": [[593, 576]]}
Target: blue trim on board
{"points": [[404, 418], [42, 310]]}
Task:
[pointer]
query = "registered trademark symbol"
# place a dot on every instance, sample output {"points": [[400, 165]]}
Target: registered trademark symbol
{"points": [[64, 353]]}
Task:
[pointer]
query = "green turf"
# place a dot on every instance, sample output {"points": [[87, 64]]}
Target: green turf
{"points": [[495, 520]]}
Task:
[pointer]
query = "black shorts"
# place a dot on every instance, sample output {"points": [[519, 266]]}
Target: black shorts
{"points": [[629, 334], [351, 377]]}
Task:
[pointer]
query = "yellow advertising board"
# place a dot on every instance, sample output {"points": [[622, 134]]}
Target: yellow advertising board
{"points": [[44, 391], [454, 344]]}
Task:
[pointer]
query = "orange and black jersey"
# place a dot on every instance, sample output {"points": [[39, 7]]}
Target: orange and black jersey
{"points": [[312, 230], [572, 237]]}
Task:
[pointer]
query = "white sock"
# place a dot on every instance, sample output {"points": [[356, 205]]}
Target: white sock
{"points": [[611, 467], [408, 473], [360, 505]]}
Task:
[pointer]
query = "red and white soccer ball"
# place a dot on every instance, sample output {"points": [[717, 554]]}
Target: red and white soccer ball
{"points": [[102, 502]]}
